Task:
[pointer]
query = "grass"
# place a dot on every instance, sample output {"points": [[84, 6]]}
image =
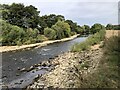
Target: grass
{"points": [[92, 40], [107, 75]]}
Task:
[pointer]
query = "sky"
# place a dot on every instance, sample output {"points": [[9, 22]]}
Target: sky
{"points": [[80, 11]]}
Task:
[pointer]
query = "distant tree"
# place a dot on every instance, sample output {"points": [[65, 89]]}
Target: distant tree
{"points": [[73, 25], [52, 19], [96, 28], [109, 27], [41, 25], [116, 27], [86, 29]]}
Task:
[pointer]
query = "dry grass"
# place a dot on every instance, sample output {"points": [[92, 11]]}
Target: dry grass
{"points": [[110, 33]]}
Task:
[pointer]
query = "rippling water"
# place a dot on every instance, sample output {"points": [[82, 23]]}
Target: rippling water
{"points": [[11, 61]]}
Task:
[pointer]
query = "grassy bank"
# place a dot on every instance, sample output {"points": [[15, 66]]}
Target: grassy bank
{"points": [[92, 40], [107, 74]]}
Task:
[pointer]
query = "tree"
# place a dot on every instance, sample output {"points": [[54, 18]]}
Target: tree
{"points": [[73, 25], [52, 19], [109, 26], [41, 25], [18, 14], [62, 29], [50, 33], [86, 29], [96, 28]]}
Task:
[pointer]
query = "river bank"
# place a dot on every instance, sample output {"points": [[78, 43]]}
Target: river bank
{"points": [[76, 69], [15, 48], [70, 70]]}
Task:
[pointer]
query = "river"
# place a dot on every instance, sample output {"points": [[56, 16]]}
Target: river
{"points": [[12, 61]]}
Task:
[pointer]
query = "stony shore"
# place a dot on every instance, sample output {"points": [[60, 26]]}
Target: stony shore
{"points": [[70, 69], [15, 48]]}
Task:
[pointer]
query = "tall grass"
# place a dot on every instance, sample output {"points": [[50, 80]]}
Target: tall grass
{"points": [[108, 71], [92, 40]]}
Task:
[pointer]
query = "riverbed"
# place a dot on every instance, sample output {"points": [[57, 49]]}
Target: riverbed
{"points": [[12, 61]]}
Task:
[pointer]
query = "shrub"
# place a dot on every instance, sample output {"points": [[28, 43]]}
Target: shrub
{"points": [[41, 38], [14, 35], [92, 40], [50, 33]]}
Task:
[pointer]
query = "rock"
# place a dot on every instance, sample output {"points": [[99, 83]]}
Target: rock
{"points": [[55, 62], [31, 68], [4, 76], [36, 77], [21, 81], [56, 56], [22, 70], [33, 71], [4, 87], [50, 87], [85, 68], [18, 68], [80, 62], [51, 58], [44, 64]]}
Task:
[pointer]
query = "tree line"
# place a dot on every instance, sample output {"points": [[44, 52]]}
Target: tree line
{"points": [[112, 27], [23, 25]]}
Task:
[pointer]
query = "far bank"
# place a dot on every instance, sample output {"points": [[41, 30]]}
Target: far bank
{"points": [[15, 48]]}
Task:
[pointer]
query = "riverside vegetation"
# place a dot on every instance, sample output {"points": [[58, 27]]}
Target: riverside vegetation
{"points": [[85, 68], [23, 25], [107, 73]]}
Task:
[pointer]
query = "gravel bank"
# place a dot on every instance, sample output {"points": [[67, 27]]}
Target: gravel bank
{"points": [[70, 71]]}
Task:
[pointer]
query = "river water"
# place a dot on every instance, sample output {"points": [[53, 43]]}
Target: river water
{"points": [[12, 61]]}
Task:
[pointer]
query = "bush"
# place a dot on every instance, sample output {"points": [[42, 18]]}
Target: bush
{"points": [[62, 29], [92, 40], [14, 35], [41, 38], [80, 47], [50, 33]]}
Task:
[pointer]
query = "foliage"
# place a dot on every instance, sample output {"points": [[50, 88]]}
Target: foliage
{"points": [[50, 33], [41, 38], [96, 28], [62, 29], [80, 47], [20, 15], [48, 21], [14, 35], [107, 75], [109, 26], [25, 26], [86, 29], [74, 27], [112, 27], [91, 40]]}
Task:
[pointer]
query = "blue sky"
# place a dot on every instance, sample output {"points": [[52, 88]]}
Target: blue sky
{"points": [[83, 12]]}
